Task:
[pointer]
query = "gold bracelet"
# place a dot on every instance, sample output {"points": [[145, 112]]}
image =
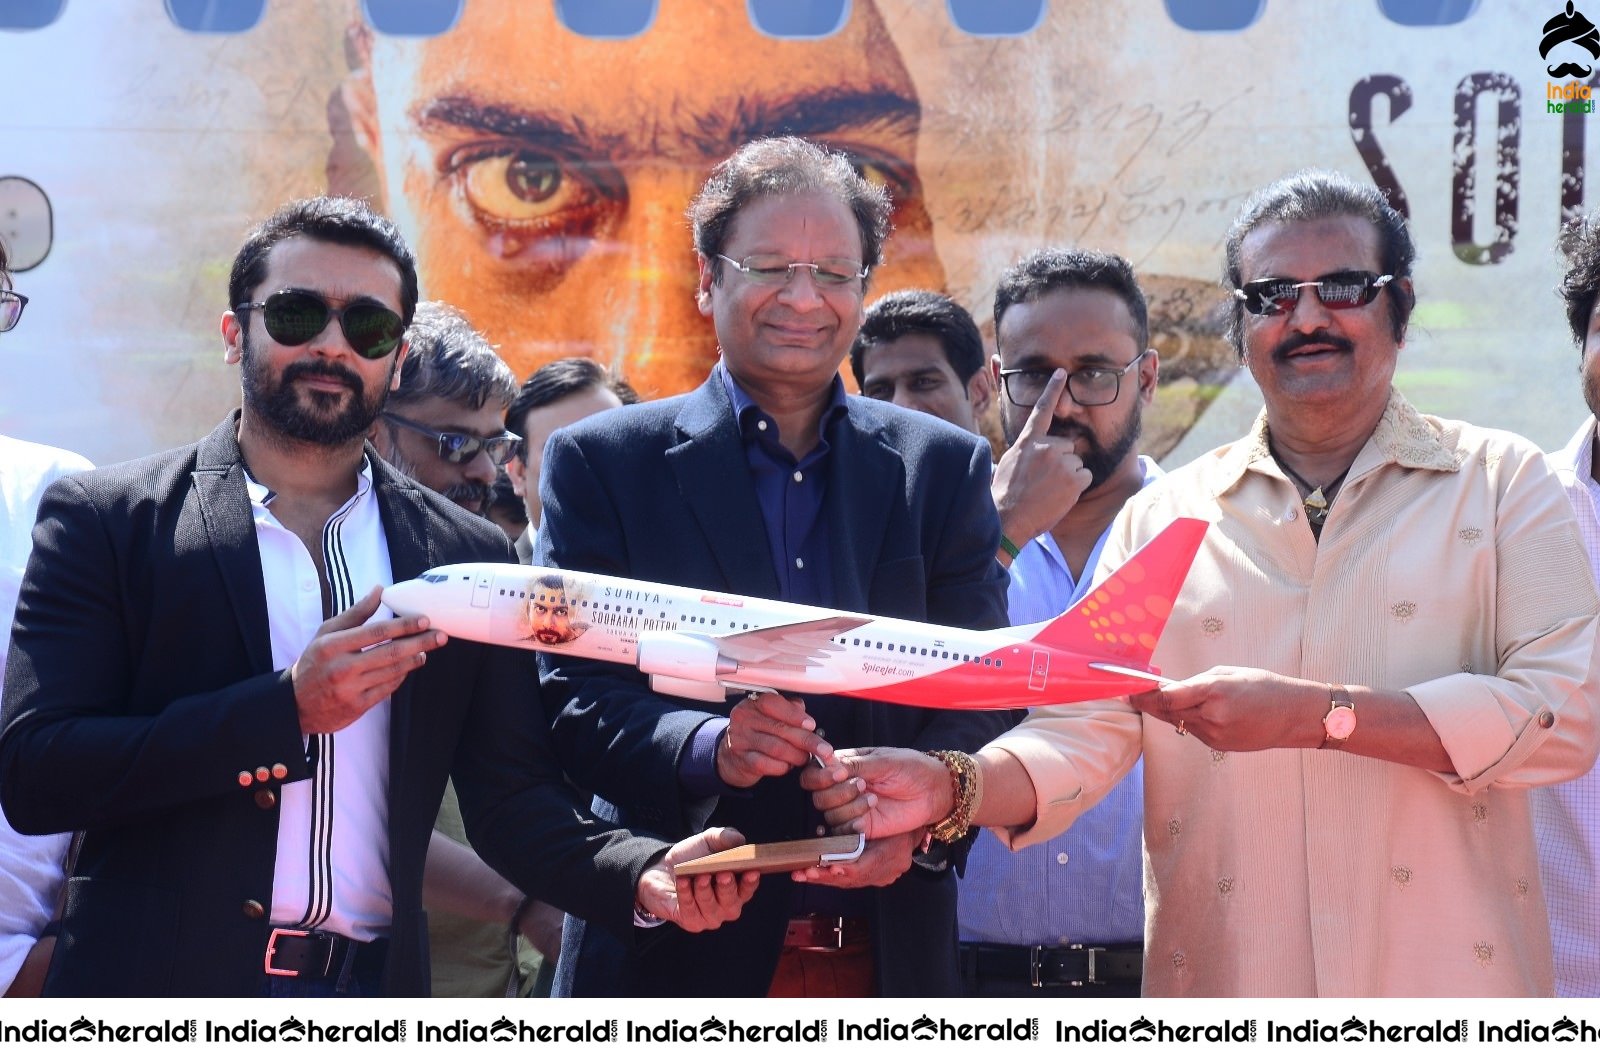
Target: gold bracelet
{"points": [[966, 787]]}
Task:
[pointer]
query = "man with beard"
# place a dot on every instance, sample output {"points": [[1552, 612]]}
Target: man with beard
{"points": [[253, 751], [443, 424], [1074, 365], [1391, 613]]}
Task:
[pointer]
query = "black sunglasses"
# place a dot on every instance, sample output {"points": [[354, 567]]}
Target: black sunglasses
{"points": [[1336, 290], [458, 448], [294, 318]]}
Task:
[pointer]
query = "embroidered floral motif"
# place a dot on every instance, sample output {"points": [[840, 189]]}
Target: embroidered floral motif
{"points": [[1180, 960], [1211, 627], [1174, 828], [1217, 757], [1401, 875], [1522, 888], [1488, 460], [1470, 534], [1403, 610], [1480, 813], [1484, 952], [1225, 886]]}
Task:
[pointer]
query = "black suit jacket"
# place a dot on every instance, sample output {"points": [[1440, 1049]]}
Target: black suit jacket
{"points": [[662, 491], [140, 687]]}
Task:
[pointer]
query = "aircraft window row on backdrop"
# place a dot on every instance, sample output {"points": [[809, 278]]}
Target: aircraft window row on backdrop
{"points": [[790, 19]]}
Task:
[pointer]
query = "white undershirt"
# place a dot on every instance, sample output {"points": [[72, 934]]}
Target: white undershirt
{"points": [[332, 867]]}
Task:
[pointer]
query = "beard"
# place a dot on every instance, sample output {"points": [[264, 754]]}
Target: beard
{"points": [[1101, 460], [471, 496], [317, 417]]}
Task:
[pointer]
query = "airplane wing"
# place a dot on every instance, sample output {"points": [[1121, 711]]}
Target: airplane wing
{"points": [[796, 646]]}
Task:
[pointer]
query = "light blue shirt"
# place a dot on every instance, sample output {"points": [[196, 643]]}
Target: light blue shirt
{"points": [[1087, 884]]}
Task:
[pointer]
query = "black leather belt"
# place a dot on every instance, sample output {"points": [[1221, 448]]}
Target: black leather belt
{"points": [[1040, 966], [316, 954]]}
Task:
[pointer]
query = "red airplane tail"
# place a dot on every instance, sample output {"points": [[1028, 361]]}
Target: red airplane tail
{"points": [[1122, 618]]}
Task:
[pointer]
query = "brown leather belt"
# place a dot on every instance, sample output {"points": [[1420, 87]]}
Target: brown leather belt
{"points": [[826, 933]]}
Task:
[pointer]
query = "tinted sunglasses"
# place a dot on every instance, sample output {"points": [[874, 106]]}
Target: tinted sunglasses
{"points": [[11, 306], [1336, 290], [294, 318], [458, 448]]}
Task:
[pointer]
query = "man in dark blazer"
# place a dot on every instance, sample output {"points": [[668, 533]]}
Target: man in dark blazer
{"points": [[769, 481], [157, 701]]}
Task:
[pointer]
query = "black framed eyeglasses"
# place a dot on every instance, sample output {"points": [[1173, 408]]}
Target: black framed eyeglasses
{"points": [[294, 318], [773, 270], [1087, 386], [1337, 290], [11, 306], [456, 447]]}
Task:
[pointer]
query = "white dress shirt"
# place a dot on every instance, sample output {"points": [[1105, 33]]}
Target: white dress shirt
{"points": [[332, 867], [30, 866]]}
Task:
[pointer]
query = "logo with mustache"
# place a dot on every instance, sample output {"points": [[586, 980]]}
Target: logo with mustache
{"points": [[1570, 27]]}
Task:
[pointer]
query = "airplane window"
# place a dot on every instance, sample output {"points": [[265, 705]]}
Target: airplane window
{"points": [[411, 18], [30, 14], [607, 19], [1430, 12], [215, 16], [799, 18], [1215, 16], [996, 18]]}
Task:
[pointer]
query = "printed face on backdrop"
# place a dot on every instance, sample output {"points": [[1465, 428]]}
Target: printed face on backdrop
{"points": [[550, 206]]}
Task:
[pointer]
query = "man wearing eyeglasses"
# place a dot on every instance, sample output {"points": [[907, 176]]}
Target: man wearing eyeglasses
{"points": [[1075, 371], [204, 685], [769, 481], [1388, 636]]}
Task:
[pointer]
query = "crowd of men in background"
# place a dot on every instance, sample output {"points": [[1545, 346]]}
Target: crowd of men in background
{"points": [[269, 785]]}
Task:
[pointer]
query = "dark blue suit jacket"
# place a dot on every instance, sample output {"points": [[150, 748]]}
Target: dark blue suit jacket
{"points": [[662, 491], [140, 684]]}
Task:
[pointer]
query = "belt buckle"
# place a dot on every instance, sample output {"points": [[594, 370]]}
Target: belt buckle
{"points": [[1034, 954], [1091, 952], [272, 948]]}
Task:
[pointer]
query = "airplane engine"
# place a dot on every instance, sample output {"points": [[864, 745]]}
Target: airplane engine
{"points": [[682, 665], [682, 656]]}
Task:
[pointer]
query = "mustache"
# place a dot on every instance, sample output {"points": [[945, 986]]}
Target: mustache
{"points": [[1069, 429], [1569, 70], [473, 496], [1315, 338], [326, 369]]}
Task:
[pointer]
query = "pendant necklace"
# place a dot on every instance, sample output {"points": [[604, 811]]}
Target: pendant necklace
{"points": [[1318, 499]]}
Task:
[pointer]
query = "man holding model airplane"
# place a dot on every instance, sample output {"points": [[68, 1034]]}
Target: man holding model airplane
{"points": [[769, 481], [1388, 636]]}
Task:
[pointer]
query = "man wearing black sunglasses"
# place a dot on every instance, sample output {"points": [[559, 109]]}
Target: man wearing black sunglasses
{"points": [[1387, 638], [266, 747], [444, 422]]}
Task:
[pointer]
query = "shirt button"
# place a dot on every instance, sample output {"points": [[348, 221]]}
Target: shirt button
{"points": [[1061, 858], [798, 477], [308, 586], [1292, 514], [800, 564], [254, 910], [1546, 719], [265, 799], [761, 425]]}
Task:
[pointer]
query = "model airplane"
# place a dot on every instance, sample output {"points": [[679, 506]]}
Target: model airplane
{"points": [[706, 645]]}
